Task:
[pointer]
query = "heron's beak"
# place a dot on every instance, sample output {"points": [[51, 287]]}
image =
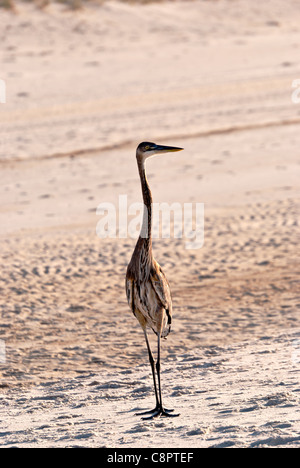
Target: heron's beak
{"points": [[166, 149]]}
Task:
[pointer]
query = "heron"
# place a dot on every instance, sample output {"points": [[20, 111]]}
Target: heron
{"points": [[147, 288]]}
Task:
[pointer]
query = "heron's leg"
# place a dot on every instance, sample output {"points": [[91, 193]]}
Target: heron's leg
{"points": [[152, 363], [160, 411], [164, 410], [158, 369]]}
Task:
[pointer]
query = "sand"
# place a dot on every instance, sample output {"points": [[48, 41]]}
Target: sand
{"points": [[83, 89]]}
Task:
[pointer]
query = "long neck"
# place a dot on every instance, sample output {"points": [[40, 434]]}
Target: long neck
{"points": [[146, 231]]}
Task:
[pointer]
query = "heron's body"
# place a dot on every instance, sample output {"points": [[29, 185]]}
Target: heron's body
{"points": [[149, 294], [147, 288]]}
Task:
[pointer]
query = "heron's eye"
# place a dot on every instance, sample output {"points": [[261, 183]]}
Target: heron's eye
{"points": [[147, 147]]}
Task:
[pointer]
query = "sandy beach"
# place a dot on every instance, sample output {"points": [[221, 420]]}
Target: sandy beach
{"points": [[83, 89]]}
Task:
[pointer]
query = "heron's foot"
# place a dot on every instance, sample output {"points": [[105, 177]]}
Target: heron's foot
{"points": [[159, 411], [155, 410]]}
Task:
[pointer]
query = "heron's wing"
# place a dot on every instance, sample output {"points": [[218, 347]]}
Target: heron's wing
{"points": [[136, 297], [161, 286], [141, 303], [129, 293]]}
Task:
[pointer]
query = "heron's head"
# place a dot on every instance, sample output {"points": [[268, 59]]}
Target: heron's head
{"points": [[146, 149]]}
